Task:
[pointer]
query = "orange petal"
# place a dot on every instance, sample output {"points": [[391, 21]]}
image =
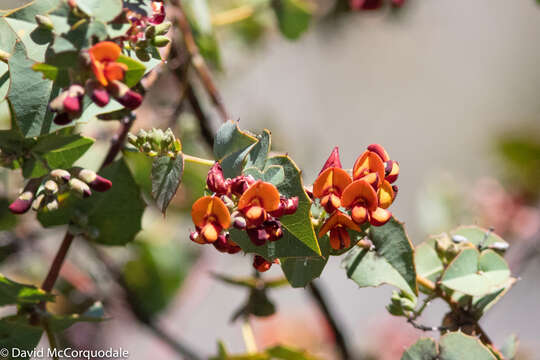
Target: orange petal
{"points": [[379, 150], [265, 193], [358, 191], [385, 195], [331, 178], [391, 170], [210, 206], [339, 238], [105, 51], [115, 71], [99, 71], [367, 163], [379, 217], [338, 218], [209, 232], [359, 214]]}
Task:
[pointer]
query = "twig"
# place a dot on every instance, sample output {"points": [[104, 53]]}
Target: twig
{"points": [[424, 327], [118, 140], [204, 122], [198, 62], [249, 338], [341, 344], [56, 265]]}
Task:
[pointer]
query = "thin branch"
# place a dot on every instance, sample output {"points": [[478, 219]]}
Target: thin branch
{"points": [[198, 62], [341, 344], [56, 265], [118, 140], [204, 122], [424, 327]]}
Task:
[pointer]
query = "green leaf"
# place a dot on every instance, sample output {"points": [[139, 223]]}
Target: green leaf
{"points": [[259, 152], [231, 146], [59, 151], [288, 353], [477, 235], [7, 42], [166, 177], [300, 272], [135, 70], [103, 10], [481, 304], [298, 224], [510, 346], [428, 263], [392, 262], [16, 333], [476, 274], [156, 273], [22, 22], [293, 17], [29, 96], [458, 346], [122, 204], [423, 349], [12, 292]]}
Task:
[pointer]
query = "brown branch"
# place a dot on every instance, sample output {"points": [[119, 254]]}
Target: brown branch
{"points": [[198, 61], [56, 265], [341, 344]]}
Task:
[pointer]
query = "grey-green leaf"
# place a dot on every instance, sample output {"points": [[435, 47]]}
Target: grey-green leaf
{"points": [[423, 349], [458, 346], [166, 177]]}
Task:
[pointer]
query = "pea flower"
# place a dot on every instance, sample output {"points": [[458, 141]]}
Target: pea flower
{"points": [[362, 200], [329, 186], [210, 216], [257, 201], [103, 58], [337, 225]]}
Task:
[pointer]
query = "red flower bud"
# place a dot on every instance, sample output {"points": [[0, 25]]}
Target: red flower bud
{"points": [[261, 264], [93, 180], [23, 203], [158, 13], [124, 95], [273, 229], [98, 93], [216, 181], [258, 236], [332, 161], [62, 119], [73, 101], [291, 205], [195, 237], [221, 244], [241, 183], [239, 223]]}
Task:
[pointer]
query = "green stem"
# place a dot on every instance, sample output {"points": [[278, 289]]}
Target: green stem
{"points": [[198, 160], [249, 338], [52, 339]]}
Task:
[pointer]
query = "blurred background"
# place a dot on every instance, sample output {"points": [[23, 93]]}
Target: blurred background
{"points": [[449, 88]]}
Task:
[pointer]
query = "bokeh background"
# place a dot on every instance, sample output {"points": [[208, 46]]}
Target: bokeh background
{"points": [[449, 88]]}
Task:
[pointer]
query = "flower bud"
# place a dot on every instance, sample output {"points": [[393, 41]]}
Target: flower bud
{"points": [[291, 206], [196, 237], [221, 244], [227, 201], [36, 204], [23, 203], [233, 247], [98, 93], [51, 187], [80, 187], [73, 101], [160, 41], [62, 119], [258, 236], [261, 264], [273, 229], [239, 223], [142, 134], [332, 161], [52, 205], [93, 180], [241, 183], [216, 181], [163, 28], [124, 95], [158, 13], [60, 175], [132, 139], [44, 22]]}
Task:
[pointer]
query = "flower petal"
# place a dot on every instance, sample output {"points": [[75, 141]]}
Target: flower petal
{"points": [[332, 161], [338, 218], [379, 217], [360, 190], [379, 150], [331, 178], [210, 206], [265, 193], [385, 194], [367, 163], [105, 51]]}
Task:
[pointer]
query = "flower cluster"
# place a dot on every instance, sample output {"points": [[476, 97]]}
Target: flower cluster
{"points": [[45, 193], [243, 203], [156, 142], [353, 201], [146, 30], [105, 81]]}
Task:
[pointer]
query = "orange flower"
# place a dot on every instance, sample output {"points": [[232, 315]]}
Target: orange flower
{"points": [[329, 186], [364, 203], [103, 58], [337, 225], [210, 216], [370, 167], [259, 199], [391, 167]]}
